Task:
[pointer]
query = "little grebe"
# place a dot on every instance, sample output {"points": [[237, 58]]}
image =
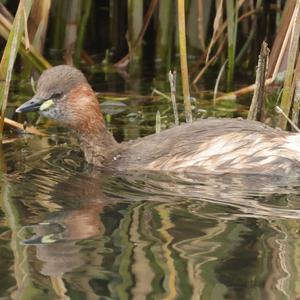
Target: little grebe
{"points": [[208, 146]]}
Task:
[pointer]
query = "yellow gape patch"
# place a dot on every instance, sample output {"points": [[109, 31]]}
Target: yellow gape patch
{"points": [[47, 104]]}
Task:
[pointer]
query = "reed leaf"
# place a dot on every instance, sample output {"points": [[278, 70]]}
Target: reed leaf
{"points": [[86, 8], [217, 27], [164, 31], [31, 54], [59, 20], [183, 61], [37, 29], [38, 23], [135, 45], [232, 11], [10, 54], [279, 47], [218, 80]]}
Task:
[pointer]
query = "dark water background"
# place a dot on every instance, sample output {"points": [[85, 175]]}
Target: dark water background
{"points": [[69, 232]]}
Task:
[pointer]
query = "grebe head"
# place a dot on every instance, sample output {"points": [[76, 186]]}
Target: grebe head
{"points": [[63, 94]]}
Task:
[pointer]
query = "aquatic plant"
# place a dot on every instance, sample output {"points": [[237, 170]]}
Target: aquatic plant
{"points": [[193, 36]]}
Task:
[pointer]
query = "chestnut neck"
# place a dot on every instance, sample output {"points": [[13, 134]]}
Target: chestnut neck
{"points": [[96, 142]]}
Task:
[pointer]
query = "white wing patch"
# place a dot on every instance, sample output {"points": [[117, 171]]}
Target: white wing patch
{"points": [[234, 152], [293, 142]]}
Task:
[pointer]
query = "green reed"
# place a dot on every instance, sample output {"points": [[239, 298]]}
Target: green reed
{"points": [[10, 54], [231, 11]]}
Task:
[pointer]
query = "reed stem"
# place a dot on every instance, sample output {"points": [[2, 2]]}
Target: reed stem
{"points": [[231, 10], [286, 100], [256, 108], [139, 39], [86, 6], [295, 112], [10, 54], [164, 31], [135, 25], [183, 61], [172, 80]]}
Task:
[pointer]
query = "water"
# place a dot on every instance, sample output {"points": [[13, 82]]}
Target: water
{"points": [[70, 232]]}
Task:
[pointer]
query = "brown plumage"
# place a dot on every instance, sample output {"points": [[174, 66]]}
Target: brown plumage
{"points": [[207, 146]]}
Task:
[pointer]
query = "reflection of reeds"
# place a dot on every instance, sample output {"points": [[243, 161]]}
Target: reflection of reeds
{"points": [[170, 269], [25, 288]]}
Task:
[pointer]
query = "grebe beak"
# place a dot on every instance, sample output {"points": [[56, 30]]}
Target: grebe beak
{"points": [[33, 104]]}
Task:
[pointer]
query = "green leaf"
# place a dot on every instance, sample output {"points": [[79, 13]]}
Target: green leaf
{"points": [[10, 54]]}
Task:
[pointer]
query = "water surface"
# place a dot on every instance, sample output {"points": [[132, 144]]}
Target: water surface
{"points": [[68, 231]]}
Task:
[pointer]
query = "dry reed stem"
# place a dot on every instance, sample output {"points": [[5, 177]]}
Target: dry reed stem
{"points": [[59, 288], [283, 50], [224, 26], [31, 130], [280, 52], [210, 62], [6, 14], [38, 23], [125, 60], [295, 112], [157, 122], [172, 80], [216, 26], [281, 36], [243, 91], [218, 35], [281, 113], [32, 54], [286, 100], [218, 80], [296, 94], [256, 108]]}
